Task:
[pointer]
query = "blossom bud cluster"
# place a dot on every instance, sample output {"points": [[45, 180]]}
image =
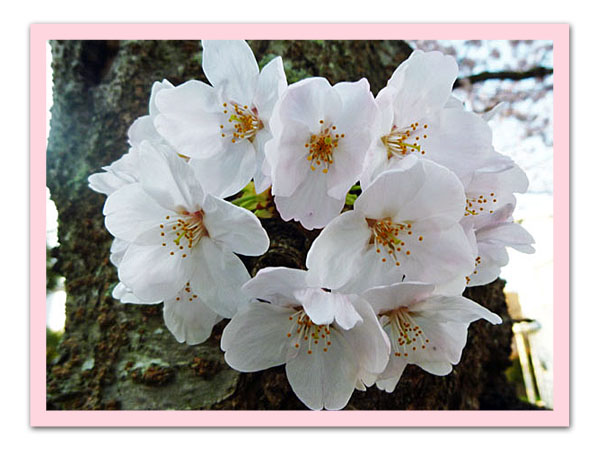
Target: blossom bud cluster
{"points": [[431, 215]]}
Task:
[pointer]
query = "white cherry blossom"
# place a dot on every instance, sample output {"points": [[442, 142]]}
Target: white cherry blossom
{"points": [[226, 124], [418, 117], [405, 225], [325, 339], [321, 135], [175, 233], [424, 329]]}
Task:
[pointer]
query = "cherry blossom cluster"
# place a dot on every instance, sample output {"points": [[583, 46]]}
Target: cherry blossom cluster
{"points": [[413, 201]]}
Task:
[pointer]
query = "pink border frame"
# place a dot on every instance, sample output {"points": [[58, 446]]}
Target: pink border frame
{"points": [[39, 416]]}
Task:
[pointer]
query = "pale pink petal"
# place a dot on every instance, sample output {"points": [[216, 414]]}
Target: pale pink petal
{"points": [[169, 180], [231, 67], [190, 118], [218, 278], [334, 257], [130, 211], [226, 173], [270, 86], [190, 321], [256, 338], [234, 228], [424, 83], [277, 285], [387, 298], [324, 379], [309, 205], [152, 273], [370, 343]]}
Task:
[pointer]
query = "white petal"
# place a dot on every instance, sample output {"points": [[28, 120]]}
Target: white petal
{"points": [[454, 102], [509, 234], [231, 66], [376, 161], [124, 294], [120, 173], [387, 298], [439, 258], [334, 256], [440, 198], [453, 287], [355, 120], [310, 204], [105, 182], [390, 191], [459, 140], [189, 321], [169, 180], [271, 85], [277, 285], [130, 211], [438, 368], [424, 83], [510, 178], [372, 271], [262, 174], [324, 307], [446, 342], [287, 155], [226, 173], [152, 273], [117, 251], [143, 129], [370, 343], [318, 304], [190, 118], [308, 102], [235, 228], [256, 338], [157, 86], [454, 309], [218, 278], [389, 384], [324, 379]]}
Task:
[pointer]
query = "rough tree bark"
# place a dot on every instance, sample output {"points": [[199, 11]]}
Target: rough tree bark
{"points": [[116, 356]]}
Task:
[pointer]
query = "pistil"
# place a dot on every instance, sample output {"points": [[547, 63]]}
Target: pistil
{"points": [[392, 238], [404, 141], [181, 232], [244, 120], [321, 147]]}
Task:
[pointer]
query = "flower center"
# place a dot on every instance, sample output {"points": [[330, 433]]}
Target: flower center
{"points": [[243, 122], [303, 329], [180, 233], [478, 205], [404, 141], [406, 336], [321, 146], [392, 238]]}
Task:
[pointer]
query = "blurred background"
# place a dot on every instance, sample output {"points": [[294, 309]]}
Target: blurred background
{"points": [[516, 77]]}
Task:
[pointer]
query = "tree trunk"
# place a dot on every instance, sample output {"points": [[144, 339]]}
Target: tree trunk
{"points": [[116, 356]]}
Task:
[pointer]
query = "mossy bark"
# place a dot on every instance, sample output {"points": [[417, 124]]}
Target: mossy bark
{"points": [[116, 356]]}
